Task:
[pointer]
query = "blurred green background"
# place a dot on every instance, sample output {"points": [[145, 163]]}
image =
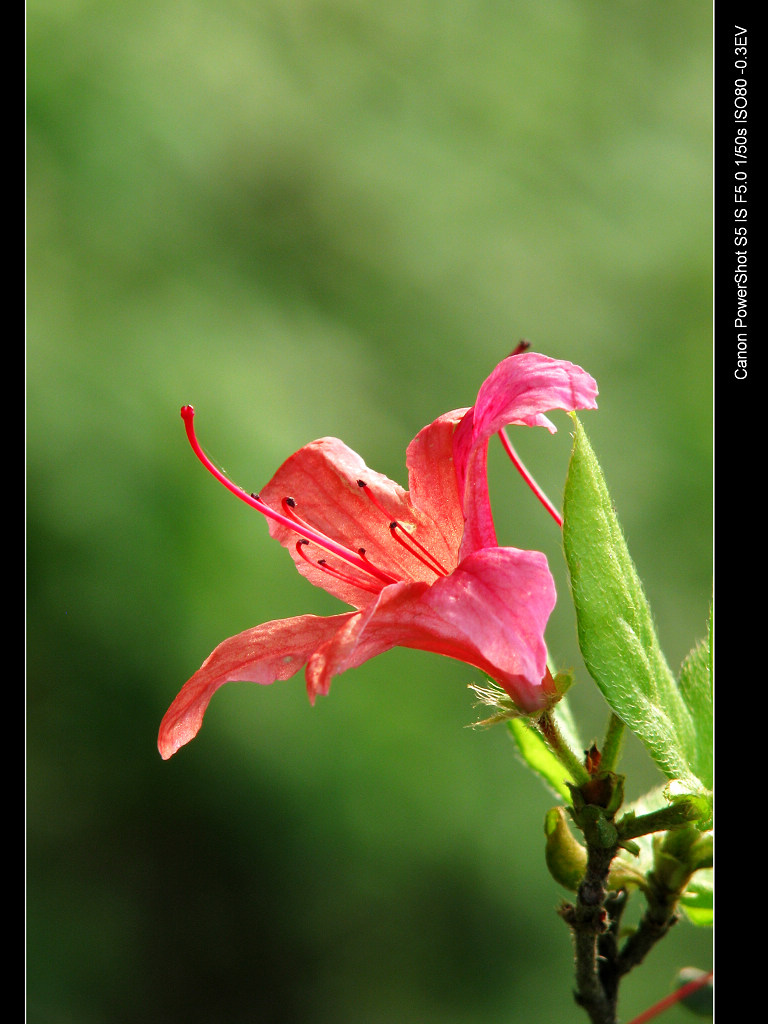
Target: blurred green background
{"points": [[314, 217]]}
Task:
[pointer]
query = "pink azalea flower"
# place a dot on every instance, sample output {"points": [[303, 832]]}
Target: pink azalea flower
{"points": [[420, 568]]}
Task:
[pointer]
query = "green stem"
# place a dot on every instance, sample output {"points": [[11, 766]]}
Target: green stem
{"points": [[673, 817], [675, 860], [612, 744], [550, 730]]}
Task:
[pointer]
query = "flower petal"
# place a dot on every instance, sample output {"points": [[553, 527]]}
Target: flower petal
{"points": [[523, 387], [471, 461], [433, 484], [264, 654], [520, 390], [491, 612], [322, 478]]}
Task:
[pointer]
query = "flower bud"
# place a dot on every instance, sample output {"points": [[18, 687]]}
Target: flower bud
{"points": [[566, 858]]}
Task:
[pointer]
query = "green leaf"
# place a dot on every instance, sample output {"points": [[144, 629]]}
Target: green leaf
{"points": [[696, 688], [698, 900], [537, 755], [616, 633]]}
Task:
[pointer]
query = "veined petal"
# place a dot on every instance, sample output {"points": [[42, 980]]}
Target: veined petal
{"points": [[525, 386], [322, 478], [275, 650], [490, 613], [432, 482], [471, 461], [519, 390], [358, 640]]}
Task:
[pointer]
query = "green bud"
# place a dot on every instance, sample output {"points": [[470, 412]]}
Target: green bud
{"points": [[677, 855], [566, 858]]}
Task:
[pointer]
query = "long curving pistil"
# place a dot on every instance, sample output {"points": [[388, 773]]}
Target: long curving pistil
{"points": [[292, 523]]}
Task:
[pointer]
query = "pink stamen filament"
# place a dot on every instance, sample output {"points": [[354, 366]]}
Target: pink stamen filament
{"points": [[361, 552], [331, 546], [406, 541], [289, 507], [517, 462], [322, 564]]}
